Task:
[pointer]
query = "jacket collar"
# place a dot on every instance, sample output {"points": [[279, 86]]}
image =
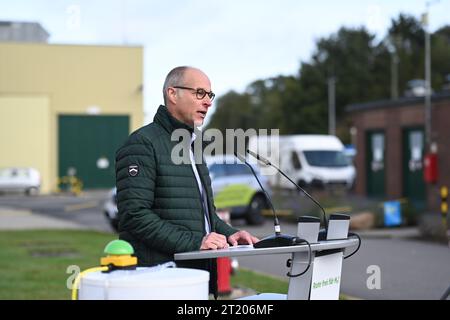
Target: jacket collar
{"points": [[168, 122]]}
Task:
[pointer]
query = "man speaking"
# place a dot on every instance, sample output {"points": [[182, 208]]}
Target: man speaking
{"points": [[165, 208]]}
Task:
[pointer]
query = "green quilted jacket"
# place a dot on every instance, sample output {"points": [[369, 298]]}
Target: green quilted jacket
{"points": [[160, 209]]}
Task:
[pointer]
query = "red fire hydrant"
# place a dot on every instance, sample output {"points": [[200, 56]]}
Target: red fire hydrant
{"points": [[224, 264]]}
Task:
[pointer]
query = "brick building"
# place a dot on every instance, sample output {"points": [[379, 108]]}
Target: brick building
{"points": [[391, 144]]}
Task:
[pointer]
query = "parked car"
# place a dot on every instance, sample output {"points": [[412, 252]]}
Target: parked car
{"points": [[236, 188], [111, 213], [110, 209], [20, 179]]}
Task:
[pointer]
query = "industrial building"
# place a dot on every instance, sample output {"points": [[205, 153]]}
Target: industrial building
{"points": [[391, 150], [65, 109]]}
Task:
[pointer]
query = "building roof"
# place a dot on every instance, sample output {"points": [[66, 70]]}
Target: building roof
{"points": [[404, 101], [18, 31]]}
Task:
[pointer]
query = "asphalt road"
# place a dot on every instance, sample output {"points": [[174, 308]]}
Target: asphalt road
{"points": [[409, 268], [85, 209]]}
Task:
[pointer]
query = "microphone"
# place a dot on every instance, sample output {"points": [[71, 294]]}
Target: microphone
{"points": [[322, 232], [279, 239]]}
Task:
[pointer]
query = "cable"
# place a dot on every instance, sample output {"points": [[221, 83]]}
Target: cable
{"points": [[350, 234], [446, 294], [80, 275], [309, 262]]}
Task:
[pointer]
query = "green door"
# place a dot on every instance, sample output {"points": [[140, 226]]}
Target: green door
{"points": [[413, 152], [375, 164], [87, 146]]}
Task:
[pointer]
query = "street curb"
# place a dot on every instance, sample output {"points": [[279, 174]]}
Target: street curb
{"points": [[398, 233]]}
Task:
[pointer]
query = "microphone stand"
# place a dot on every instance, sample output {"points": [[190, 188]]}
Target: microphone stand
{"points": [[322, 232], [279, 239]]}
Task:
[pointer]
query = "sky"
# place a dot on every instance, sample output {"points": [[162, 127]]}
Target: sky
{"points": [[234, 42]]}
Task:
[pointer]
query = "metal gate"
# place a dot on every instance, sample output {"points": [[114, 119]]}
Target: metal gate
{"points": [[87, 146], [413, 152]]}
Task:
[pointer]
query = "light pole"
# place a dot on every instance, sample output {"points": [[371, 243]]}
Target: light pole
{"points": [[394, 75], [428, 113], [332, 106], [391, 45], [427, 79]]}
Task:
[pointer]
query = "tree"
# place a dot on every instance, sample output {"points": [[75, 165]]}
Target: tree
{"points": [[352, 58], [409, 42], [440, 57], [233, 111], [362, 69]]}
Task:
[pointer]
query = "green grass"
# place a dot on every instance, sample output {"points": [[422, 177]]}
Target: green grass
{"points": [[34, 263], [258, 282]]}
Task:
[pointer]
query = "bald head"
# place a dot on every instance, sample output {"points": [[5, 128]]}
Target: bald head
{"points": [[177, 77], [173, 78], [181, 97]]}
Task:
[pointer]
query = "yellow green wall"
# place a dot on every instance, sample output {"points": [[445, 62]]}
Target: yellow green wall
{"points": [[25, 134], [38, 82]]}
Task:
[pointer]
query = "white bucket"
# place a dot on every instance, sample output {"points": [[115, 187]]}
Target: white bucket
{"points": [[156, 283]]}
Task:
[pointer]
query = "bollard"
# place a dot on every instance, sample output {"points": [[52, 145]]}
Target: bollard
{"points": [[224, 264], [444, 205], [224, 276], [444, 212]]}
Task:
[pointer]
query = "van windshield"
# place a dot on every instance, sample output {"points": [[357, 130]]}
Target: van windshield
{"points": [[323, 158]]}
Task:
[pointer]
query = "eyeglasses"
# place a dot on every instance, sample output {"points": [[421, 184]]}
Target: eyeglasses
{"points": [[200, 93]]}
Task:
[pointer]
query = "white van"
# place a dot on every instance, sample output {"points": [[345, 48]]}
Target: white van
{"points": [[20, 179], [309, 160]]}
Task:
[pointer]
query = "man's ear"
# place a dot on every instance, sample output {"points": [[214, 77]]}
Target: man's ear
{"points": [[172, 95]]}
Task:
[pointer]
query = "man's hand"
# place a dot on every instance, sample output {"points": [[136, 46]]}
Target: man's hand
{"points": [[242, 237], [214, 241]]}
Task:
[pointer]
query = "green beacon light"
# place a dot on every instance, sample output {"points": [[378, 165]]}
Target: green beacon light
{"points": [[119, 247], [119, 255]]}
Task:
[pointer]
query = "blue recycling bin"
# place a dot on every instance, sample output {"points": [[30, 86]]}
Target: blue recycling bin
{"points": [[392, 213]]}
